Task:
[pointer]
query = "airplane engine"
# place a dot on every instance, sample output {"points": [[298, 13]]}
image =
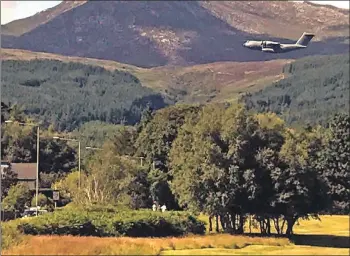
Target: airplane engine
{"points": [[267, 50]]}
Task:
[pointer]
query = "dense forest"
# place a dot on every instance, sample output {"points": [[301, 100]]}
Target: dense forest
{"points": [[70, 94], [314, 88], [95, 133]]}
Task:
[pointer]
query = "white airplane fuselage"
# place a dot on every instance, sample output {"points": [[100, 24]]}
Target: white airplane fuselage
{"points": [[276, 47], [272, 48]]}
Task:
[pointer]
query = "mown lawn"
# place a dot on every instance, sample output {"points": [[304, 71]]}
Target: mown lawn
{"points": [[336, 225], [326, 237]]}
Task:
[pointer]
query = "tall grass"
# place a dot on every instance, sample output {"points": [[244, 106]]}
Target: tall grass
{"points": [[10, 235], [210, 244], [40, 245]]}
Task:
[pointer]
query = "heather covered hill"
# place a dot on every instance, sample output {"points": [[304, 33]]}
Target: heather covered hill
{"points": [[158, 33], [254, 17], [273, 17]]}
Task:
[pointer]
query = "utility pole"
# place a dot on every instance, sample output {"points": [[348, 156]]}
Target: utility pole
{"points": [[79, 168], [37, 170]]}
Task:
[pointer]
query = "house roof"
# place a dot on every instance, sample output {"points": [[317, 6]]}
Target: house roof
{"points": [[24, 170]]}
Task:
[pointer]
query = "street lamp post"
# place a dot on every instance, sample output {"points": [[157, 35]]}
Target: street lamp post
{"points": [[37, 160], [37, 170], [79, 159]]}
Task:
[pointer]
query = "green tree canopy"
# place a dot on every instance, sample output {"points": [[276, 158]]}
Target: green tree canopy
{"points": [[18, 197]]}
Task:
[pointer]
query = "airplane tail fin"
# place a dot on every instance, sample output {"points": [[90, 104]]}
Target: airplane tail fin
{"points": [[305, 39]]}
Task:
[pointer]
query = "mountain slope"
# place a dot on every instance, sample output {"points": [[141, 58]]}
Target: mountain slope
{"points": [[282, 18], [70, 94], [218, 81], [310, 89], [256, 17], [157, 33], [19, 27], [314, 89]]}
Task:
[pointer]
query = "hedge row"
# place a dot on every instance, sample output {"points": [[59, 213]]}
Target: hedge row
{"points": [[142, 223]]}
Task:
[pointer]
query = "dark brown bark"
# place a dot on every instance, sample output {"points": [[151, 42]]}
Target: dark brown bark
{"points": [[217, 223], [282, 227], [268, 226], [276, 224], [250, 223], [240, 228], [210, 224], [234, 222], [290, 224], [222, 221]]}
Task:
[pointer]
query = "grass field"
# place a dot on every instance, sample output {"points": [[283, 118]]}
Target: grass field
{"points": [[326, 237], [264, 250]]}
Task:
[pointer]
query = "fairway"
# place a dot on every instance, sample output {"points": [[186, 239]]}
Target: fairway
{"points": [[263, 250], [328, 234], [326, 237]]}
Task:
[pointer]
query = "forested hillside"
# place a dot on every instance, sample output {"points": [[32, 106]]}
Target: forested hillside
{"points": [[70, 94], [314, 89]]}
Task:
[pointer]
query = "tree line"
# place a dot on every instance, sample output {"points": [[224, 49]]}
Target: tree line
{"points": [[219, 159], [224, 161]]}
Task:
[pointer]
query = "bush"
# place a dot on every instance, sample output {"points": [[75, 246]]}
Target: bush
{"points": [[44, 202], [10, 235], [143, 223]]}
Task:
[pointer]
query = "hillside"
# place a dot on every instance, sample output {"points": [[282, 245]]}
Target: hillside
{"points": [[195, 84], [266, 82], [70, 94], [272, 18], [256, 17], [158, 33], [19, 27], [314, 89]]}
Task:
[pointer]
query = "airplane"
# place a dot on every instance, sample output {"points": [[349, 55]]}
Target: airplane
{"points": [[276, 47]]}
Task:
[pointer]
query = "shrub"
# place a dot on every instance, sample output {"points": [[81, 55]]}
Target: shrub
{"points": [[44, 202], [113, 222], [10, 235]]}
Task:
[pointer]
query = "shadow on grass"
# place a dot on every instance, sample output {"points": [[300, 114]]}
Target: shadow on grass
{"points": [[312, 240], [321, 240]]}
